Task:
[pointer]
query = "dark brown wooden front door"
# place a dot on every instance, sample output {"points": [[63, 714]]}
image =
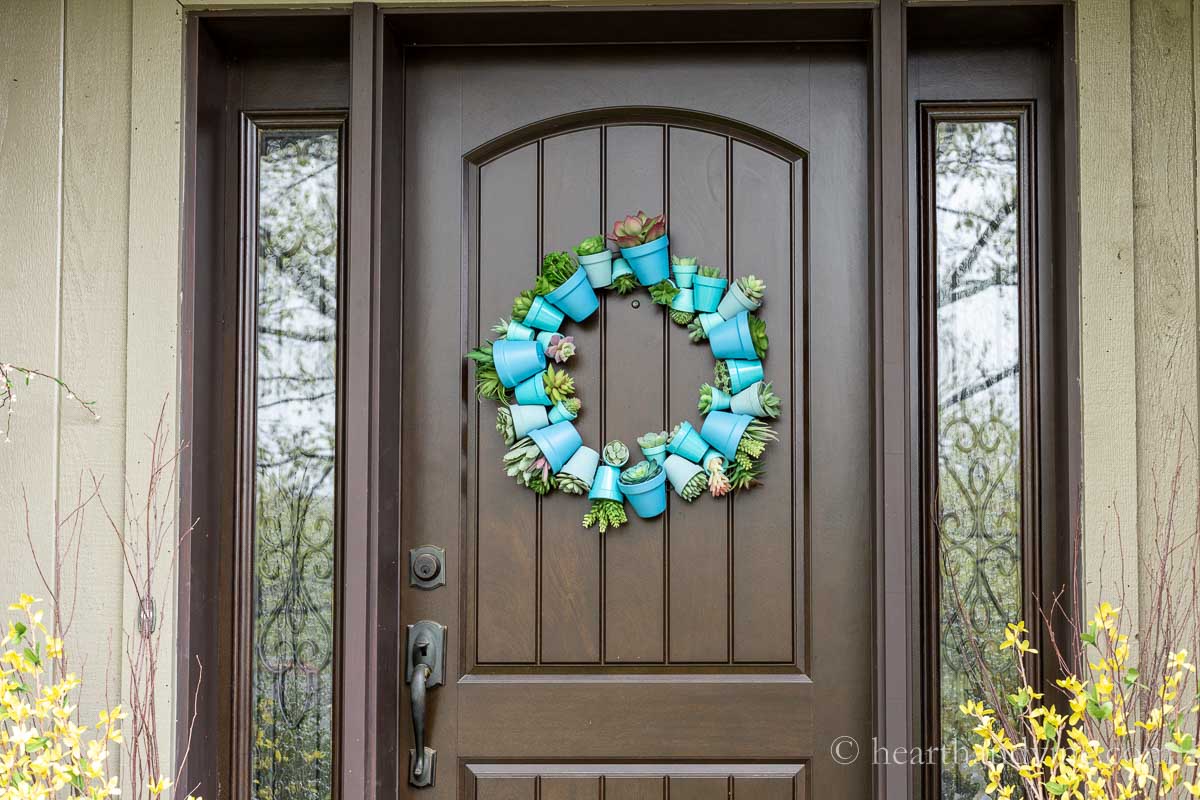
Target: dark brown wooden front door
{"points": [[717, 651]]}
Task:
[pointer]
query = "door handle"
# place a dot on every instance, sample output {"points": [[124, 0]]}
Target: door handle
{"points": [[425, 669]]}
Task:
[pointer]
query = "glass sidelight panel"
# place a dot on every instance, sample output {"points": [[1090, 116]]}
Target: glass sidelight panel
{"points": [[292, 652], [976, 347]]}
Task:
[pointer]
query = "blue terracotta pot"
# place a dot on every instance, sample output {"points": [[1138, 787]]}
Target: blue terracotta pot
{"points": [[582, 465], [543, 316], [684, 273], [748, 401], [519, 333], [683, 301], [709, 321], [516, 361], [576, 297], [731, 339], [724, 430], [742, 373], [687, 443], [648, 498], [708, 456], [707, 293], [557, 443], [735, 302], [651, 262], [560, 413], [606, 485], [655, 454], [621, 267], [546, 338], [720, 400], [528, 418], [599, 268], [532, 391], [680, 471]]}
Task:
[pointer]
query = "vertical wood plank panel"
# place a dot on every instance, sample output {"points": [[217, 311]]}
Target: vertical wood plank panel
{"points": [[698, 568], [621, 788], [706, 788], [748, 788], [634, 399], [507, 541], [570, 555], [764, 522]]}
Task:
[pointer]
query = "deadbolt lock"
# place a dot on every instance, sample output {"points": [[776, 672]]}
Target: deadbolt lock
{"points": [[427, 567]]}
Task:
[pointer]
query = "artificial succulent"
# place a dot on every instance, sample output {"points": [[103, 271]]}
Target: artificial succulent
{"points": [[640, 472], [683, 261], [663, 292], [559, 384], [706, 398], [638, 229], [721, 376], [616, 453], [500, 328], [561, 348], [708, 272], [696, 330], [571, 484], [487, 382], [590, 246], [681, 318], [758, 335], [521, 304], [744, 475], [754, 288], [624, 284], [572, 405], [520, 459], [718, 481], [609, 513], [504, 424], [557, 267], [653, 439], [769, 401], [541, 481], [694, 487], [754, 439]]}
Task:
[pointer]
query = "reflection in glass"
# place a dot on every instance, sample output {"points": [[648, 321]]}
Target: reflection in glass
{"points": [[292, 660], [978, 415]]}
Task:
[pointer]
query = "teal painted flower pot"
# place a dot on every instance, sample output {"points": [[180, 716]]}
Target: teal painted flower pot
{"points": [[557, 443], [707, 293], [743, 373], [543, 316], [560, 413], [731, 339], [576, 297], [709, 321], [684, 274], [748, 401], [683, 301], [687, 443], [680, 471], [724, 430], [621, 267], [707, 460], [735, 302], [720, 400], [606, 485], [651, 261], [655, 454], [528, 418], [517, 332], [532, 391], [582, 465], [648, 498], [546, 338], [516, 361], [599, 268]]}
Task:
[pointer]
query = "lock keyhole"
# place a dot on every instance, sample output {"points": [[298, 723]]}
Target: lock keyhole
{"points": [[427, 566]]}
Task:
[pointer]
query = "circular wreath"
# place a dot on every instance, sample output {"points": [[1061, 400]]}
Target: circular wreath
{"points": [[521, 371]]}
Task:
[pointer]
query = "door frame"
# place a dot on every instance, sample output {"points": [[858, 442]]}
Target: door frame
{"points": [[369, 742]]}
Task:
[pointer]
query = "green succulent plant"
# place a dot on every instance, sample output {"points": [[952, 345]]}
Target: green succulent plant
{"points": [[501, 327], [743, 476], [683, 261], [572, 405], [504, 424], [542, 486], [609, 513], [694, 487], [557, 267], [520, 459], [706, 398], [521, 304], [754, 440], [624, 284], [570, 484], [754, 288], [758, 335], [487, 382], [653, 439], [709, 272], [769, 401], [681, 318], [721, 376], [559, 384], [640, 472], [663, 292], [638, 229], [616, 453], [590, 246], [696, 330]]}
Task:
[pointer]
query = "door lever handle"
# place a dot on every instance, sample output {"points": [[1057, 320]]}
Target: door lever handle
{"points": [[425, 669]]}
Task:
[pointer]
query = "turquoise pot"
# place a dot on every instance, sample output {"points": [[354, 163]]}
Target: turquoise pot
{"points": [[621, 267], [517, 332], [528, 418], [560, 413], [748, 401], [655, 454], [735, 302], [557, 443], [680, 471], [707, 293], [707, 458], [720, 400], [576, 297], [724, 430], [709, 321], [731, 339], [606, 485], [516, 361], [532, 391], [687, 443], [648, 498], [683, 301], [543, 316], [582, 465], [684, 273], [742, 373], [599, 268], [546, 338], [651, 262]]}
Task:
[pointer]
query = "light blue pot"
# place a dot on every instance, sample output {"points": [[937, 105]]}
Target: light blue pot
{"points": [[683, 301], [621, 267], [707, 293], [731, 339], [532, 391], [576, 297], [679, 471], [583, 465], [724, 430], [742, 373], [516, 361], [708, 456], [607, 484], [684, 273], [599, 268], [546, 338], [720, 400], [651, 261], [687, 443], [748, 401], [557, 443], [735, 302], [648, 498], [655, 454], [560, 413], [709, 321], [517, 332], [528, 418], [543, 316]]}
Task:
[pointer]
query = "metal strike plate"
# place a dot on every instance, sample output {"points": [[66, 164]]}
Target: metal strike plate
{"points": [[433, 636], [427, 567], [426, 777]]}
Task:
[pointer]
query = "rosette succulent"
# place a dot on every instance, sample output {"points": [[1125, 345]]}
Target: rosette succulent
{"points": [[683, 261], [500, 328], [769, 401], [559, 384], [570, 484], [640, 472], [487, 382], [696, 330], [663, 292], [706, 398], [758, 335], [681, 318], [557, 267], [616, 453], [754, 288], [721, 376], [572, 405], [590, 246], [708, 272], [504, 424], [609, 513], [561, 348], [525, 464], [624, 284], [653, 439], [638, 229], [521, 305]]}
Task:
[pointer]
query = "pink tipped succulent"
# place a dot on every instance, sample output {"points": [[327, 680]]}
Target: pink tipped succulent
{"points": [[718, 484], [561, 347], [638, 229], [543, 466]]}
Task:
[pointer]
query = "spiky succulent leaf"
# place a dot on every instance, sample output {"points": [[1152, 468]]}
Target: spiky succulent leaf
{"points": [[754, 288], [760, 432], [696, 330], [663, 292], [570, 484], [482, 354], [769, 401], [500, 327], [751, 447], [681, 318], [559, 384], [572, 405], [521, 304], [694, 487], [590, 246], [640, 472], [721, 376], [683, 261], [487, 382], [758, 335], [624, 284], [557, 267], [608, 513], [708, 272], [706, 398], [616, 453], [718, 483], [653, 439], [520, 459], [743, 476], [504, 424], [542, 486]]}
